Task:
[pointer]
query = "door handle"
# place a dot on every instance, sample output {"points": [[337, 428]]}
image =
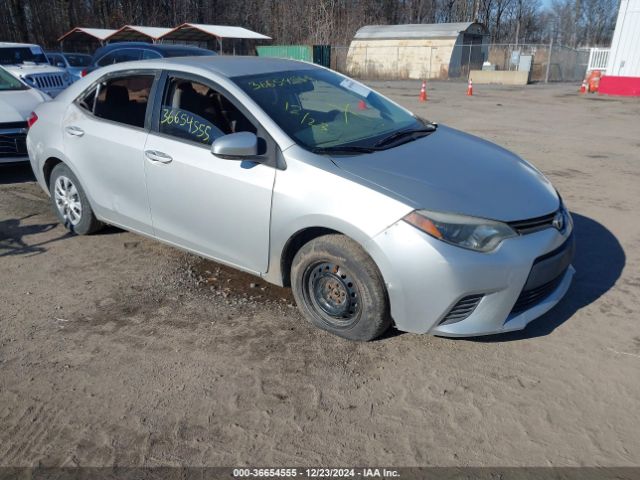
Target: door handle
{"points": [[74, 131], [155, 156]]}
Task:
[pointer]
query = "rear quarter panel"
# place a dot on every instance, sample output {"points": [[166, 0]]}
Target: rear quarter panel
{"points": [[44, 139]]}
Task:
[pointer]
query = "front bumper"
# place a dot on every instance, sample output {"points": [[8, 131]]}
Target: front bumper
{"points": [[426, 278], [13, 146], [14, 159], [53, 92]]}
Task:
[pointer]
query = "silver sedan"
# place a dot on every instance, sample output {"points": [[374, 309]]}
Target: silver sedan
{"points": [[309, 179]]}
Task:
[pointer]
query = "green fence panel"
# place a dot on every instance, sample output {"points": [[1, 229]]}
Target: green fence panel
{"points": [[295, 52]]}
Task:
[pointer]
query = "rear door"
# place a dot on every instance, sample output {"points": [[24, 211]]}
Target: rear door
{"points": [[105, 131], [216, 207]]}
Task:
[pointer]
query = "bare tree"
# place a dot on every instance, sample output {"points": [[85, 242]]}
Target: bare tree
{"points": [[579, 22]]}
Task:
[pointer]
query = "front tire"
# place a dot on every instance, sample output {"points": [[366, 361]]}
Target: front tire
{"points": [[338, 288], [70, 203]]}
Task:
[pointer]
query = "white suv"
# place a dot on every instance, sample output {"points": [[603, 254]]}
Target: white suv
{"points": [[29, 63]]}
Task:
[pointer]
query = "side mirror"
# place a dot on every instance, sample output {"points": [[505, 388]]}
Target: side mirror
{"points": [[61, 65], [236, 146]]}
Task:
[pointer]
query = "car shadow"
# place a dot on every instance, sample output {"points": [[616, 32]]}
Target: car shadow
{"points": [[14, 231], [16, 173], [599, 261]]}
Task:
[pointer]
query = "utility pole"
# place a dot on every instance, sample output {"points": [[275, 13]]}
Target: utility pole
{"points": [[546, 76]]}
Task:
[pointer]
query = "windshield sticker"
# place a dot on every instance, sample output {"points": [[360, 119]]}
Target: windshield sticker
{"points": [[307, 119], [355, 87], [36, 50], [280, 82], [197, 127]]}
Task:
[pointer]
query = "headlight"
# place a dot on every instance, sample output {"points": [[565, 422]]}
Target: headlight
{"points": [[66, 77], [467, 232], [567, 220]]}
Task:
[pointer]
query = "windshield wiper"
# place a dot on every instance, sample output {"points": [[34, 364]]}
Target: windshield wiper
{"points": [[344, 149], [427, 129]]}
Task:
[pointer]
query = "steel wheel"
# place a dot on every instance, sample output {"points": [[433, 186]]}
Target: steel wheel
{"points": [[333, 293], [67, 200]]}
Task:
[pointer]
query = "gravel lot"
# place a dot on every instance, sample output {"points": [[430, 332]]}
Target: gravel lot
{"points": [[115, 349]]}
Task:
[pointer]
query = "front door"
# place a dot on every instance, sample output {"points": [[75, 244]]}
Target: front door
{"points": [[216, 207]]}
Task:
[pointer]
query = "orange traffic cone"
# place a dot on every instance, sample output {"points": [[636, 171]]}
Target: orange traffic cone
{"points": [[423, 91], [470, 88], [583, 87]]}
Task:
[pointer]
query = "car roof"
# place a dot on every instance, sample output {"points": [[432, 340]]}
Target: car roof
{"points": [[230, 66], [14, 44], [55, 52], [159, 47]]}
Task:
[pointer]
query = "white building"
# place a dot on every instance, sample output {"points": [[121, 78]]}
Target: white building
{"points": [[623, 66]]}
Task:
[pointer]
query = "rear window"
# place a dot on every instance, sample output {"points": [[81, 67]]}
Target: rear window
{"points": [[78, 60], [119, 56], [187, 52]]}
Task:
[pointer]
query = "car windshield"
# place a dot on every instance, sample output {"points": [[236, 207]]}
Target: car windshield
{"points": [[17, 55], [78, 59], [9, 82], [320, 109]]}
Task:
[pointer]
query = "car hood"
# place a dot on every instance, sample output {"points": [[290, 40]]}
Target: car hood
{"points": [[16, 105], [28, 68], [451, 171]]}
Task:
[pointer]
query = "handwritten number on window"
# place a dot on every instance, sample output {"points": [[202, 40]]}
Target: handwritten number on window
{"points": [[187, 123]]}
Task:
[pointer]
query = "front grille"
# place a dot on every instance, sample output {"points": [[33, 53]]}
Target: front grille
{"points": [[533, 224], [46, 80], [528, 298], [462, 309], [13, 145], [12, 126]]}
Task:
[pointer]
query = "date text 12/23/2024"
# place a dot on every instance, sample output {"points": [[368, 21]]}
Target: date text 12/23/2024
{"points": [[241, 473]]}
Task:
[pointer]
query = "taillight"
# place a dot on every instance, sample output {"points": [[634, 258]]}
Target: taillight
{"points": [[83, 73], [32, 119]]}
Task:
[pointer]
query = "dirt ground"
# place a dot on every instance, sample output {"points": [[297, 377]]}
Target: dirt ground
{"points": [[115, 349]]}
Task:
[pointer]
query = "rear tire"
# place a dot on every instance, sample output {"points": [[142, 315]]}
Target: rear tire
{"points": [[338, 288], [70, 203]]}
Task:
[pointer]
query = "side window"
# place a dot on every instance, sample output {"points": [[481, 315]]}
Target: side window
{"points": [[124, 99], [149, 54], [198, 113], [108, 59], [87, 100], [119, 56], [127, 55]]}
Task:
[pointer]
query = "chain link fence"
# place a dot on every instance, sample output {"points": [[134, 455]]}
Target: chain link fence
{"points": [[397, 62]]}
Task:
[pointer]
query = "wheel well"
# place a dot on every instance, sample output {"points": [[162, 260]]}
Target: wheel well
{"points": [[48, 167], [295, 243]]}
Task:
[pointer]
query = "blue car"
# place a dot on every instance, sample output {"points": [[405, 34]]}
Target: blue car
{"points": [[129, 51], [73, 63]]}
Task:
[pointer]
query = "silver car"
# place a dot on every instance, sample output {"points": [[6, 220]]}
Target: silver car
{"points": [[309, 179]]}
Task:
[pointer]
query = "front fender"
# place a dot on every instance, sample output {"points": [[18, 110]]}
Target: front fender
{"points": [[308, 195]]}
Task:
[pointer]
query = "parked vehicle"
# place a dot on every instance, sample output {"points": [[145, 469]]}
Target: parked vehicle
{"points": [[17, 101], [29, 63], [131, 51], [311, 180], [73, 63]]}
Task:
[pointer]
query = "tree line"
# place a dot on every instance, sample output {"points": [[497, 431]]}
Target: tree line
{"points": [[575, 23]]}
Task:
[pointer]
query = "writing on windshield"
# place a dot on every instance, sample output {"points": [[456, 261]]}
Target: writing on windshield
{"points": [[319, 108]]}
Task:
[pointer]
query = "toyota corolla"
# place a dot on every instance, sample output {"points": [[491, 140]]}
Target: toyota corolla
{"points": [[309, 179]]}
